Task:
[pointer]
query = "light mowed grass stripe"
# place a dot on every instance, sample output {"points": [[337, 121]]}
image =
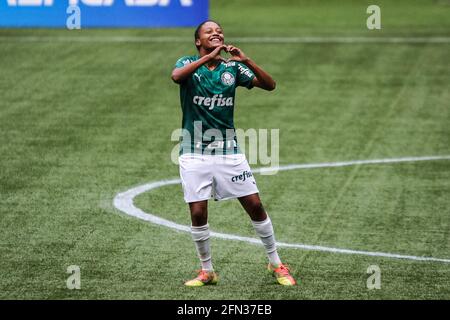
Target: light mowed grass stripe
{"points": [[124, 202], [256, 40]]}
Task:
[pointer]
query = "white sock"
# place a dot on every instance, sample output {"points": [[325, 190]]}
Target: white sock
{"points": [[200, 235], [264, 230]]}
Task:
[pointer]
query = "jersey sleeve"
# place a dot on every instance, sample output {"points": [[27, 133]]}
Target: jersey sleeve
{"points": [[183, 61], [244, 76]]}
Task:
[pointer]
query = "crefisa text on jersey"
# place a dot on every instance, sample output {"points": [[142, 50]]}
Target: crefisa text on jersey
{"points": [[211, 102]]}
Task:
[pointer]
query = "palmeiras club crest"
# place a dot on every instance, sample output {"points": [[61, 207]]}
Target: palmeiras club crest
{"points": [[227, 78]]}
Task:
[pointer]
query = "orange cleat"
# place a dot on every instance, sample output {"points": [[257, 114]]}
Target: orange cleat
{"points": [[204, 278], [281, 273]]}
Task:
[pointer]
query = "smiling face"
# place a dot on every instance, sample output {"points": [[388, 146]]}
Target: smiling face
{"points": [[210, 36]]}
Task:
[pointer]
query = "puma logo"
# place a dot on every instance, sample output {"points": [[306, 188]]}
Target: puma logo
{"points": [[197, 75]]}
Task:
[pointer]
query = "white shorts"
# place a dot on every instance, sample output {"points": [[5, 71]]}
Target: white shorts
{"points": [[221, 176]]}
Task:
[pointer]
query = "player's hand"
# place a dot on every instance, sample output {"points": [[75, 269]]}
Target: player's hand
{"points": [[215, 54], [236, 54]]}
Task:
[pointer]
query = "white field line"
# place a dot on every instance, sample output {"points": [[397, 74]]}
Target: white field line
{"points": [[262, 40], [124, 202]]}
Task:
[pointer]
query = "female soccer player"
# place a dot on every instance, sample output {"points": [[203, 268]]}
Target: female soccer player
{"points": [[207, 92]]}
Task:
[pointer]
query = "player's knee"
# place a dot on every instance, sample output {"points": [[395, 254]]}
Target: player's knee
{"points": [[198, 216]]}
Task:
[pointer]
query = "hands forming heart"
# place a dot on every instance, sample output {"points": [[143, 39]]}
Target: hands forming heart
{"points": [[236, 54]]}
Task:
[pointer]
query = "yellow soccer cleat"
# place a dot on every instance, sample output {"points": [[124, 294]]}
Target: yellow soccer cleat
{"points": [[204, 278], [282, 274]]}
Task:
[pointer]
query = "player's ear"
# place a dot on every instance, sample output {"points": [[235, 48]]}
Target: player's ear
{"points": [[197, 42]]}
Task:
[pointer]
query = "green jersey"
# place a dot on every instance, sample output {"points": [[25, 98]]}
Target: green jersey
{"points": [[207, 101]]}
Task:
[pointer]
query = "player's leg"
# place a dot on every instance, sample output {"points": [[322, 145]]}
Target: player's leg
{"points": [[253, 206], [199, 213], [262, 225], [196, 178], [200, 235], [264, 229], [233, 179], [200, 232]]}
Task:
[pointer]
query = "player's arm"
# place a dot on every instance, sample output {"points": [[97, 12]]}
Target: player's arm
{"points": [[181, 74], [262, 79]]}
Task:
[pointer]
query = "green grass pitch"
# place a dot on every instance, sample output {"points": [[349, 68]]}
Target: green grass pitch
{"points": [[81, 121]]}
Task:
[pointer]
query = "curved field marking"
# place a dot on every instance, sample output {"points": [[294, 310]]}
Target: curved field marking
{"points": [[124, 202]]}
